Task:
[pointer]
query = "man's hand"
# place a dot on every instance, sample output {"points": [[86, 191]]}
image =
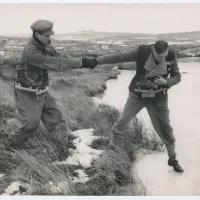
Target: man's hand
{"points": [[89, 63], [160, 81]]}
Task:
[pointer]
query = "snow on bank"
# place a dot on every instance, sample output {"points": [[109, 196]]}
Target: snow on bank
{"points": [[15, 188], [82, 177], [12, 189], [84, 155]]}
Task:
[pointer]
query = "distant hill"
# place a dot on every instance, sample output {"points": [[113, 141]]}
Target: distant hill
{"points": [[195, 35], [17, 35], [96, 34], [90, 35]]}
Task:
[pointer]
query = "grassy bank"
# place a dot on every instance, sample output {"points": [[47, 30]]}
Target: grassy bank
{"points": [[34, 165]]}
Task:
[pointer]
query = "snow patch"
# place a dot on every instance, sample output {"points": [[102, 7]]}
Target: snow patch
{"points": [[16, 188], [82, 177], [84, 155], [115, 68], [12, 189]]}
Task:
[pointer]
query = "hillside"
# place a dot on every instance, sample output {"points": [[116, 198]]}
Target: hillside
{"points": [[38, 167], [195, 35]]}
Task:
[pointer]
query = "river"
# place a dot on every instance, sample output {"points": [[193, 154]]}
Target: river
{"points": [[184, 100]]}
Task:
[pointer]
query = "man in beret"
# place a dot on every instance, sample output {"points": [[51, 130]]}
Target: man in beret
{"points": [[148, 88], [33, 101]]}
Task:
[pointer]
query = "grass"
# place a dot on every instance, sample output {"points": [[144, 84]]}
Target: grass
{"points": [[33, 164]]}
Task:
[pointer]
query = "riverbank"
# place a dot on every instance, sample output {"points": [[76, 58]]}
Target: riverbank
{"points": [[32, 165], [189, 59]]}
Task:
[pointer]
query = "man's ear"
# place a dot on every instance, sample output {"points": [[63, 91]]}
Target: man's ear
{"points": [[37, 34]]}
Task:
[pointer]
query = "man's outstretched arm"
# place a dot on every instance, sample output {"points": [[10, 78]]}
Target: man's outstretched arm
{"points": [[130, 56], [35, 58]]}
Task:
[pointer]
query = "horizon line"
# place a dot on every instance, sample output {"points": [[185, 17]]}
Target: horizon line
{"points": [[82, 31]]}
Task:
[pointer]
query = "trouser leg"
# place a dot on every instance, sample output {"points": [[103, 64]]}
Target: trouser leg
{"points": [[28, 114], [159, 114], [133, 105], [53, 121]]}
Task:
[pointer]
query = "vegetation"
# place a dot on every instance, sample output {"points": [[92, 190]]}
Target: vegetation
{"points": [[34, 163]]}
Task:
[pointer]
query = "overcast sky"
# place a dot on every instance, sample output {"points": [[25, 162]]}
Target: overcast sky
{"points": [[138, 18]]}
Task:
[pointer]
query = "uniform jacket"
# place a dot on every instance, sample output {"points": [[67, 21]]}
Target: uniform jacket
{"points": [[35, 62]]}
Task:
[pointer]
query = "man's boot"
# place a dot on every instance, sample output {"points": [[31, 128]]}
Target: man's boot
{"points": [[175, 165]]}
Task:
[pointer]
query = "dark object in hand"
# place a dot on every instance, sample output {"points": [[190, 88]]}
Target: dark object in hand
{"points": [[89, 63], [145, 84]]}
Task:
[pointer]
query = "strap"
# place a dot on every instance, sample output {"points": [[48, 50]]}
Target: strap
{"points": [[36, 90], [18, 86], [151, 91]]}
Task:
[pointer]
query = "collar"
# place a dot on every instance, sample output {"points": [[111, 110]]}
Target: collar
{"points": [[36, 42]]}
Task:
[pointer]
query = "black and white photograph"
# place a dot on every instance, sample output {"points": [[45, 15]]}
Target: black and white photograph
{"points": [[99, 99]]}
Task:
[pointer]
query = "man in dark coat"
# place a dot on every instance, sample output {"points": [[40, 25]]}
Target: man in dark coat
{"points": [[156, 72]]}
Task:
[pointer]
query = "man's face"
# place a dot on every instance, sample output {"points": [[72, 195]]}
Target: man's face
{"points": [[45, 38], [160, 57]]}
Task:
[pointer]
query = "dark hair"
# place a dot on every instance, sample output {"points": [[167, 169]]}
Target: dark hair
{"points": [[161, 46]]}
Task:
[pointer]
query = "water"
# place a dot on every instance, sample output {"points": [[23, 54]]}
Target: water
{"points": [[184, 99]]}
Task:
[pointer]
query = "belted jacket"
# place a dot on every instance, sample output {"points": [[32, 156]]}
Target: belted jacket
{"points": [[37, 60]]}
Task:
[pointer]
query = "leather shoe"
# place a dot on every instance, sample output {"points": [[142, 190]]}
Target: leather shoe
{"points": [[175, 165]]}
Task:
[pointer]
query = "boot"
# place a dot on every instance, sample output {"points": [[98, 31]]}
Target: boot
{"points": [[175, 165]]}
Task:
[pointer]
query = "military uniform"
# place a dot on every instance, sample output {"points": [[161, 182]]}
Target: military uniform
{"points": [[32, 99], [157, 106]]}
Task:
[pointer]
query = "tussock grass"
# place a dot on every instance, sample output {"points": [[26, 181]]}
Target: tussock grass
{"points": [[33, 162], [6, 113], [107, 174], [90, 82], [6, 92], [7, 70], [38, 172], [11, 61]]}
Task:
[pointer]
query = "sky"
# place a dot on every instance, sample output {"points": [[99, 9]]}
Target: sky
{"points": [[16, 18]]}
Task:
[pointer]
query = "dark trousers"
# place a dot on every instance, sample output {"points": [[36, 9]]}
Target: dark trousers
{"points": [[32, 108], [158, 111]]}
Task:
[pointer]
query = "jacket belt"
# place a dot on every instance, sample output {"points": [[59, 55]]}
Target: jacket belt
{"points": [[37, 90]]}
